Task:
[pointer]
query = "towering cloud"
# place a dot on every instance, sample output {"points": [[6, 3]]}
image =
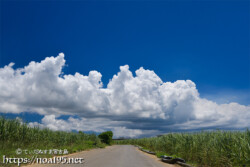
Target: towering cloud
{"points": [[134, 105]]}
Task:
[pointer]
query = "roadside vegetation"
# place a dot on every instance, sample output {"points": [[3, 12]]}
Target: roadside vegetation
{"points": [[14, 134], [215, 149]]}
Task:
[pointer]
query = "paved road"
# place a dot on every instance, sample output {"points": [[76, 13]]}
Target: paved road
{"points": [[114, 156]]}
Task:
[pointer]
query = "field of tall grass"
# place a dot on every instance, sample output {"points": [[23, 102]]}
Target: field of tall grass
{"points": [[214, 149], [15, 134]]}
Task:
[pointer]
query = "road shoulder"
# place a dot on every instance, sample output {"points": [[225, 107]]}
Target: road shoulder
{"points": [[157, 159]]}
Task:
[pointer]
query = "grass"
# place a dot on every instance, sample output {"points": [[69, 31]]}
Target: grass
{"points": [[15, 134], [215, 149]]}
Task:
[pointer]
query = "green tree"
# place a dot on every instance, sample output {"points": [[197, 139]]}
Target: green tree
{"points": [[106, 137]]}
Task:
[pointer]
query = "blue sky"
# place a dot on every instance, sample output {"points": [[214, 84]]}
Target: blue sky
{"points": [[206, 41]]}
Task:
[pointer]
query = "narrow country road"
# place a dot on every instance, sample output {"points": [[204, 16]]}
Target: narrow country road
{"points": [[113, 156]]}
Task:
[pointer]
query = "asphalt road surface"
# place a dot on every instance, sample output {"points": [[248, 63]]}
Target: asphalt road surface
{"points": [[113, 156]]}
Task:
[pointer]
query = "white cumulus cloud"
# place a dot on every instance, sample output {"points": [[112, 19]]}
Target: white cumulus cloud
{"points": [[138, 105]]}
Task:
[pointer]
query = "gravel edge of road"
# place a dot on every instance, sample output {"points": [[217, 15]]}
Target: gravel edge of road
{"points": [[156, 158], [181, 164]]}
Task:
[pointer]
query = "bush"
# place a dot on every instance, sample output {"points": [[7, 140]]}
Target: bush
{"points": [[106, 137]]}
